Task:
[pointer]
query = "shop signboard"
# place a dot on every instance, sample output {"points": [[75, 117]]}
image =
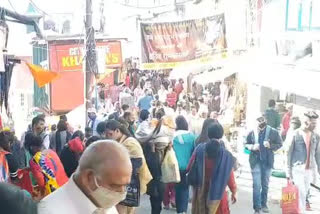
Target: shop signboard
{"points": [[66, 57], [69, 57], [169, 45]]}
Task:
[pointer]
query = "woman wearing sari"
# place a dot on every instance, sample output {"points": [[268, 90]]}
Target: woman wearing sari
{"points": [[210, 172], [203, 137], [140, 173], [45, 165]]}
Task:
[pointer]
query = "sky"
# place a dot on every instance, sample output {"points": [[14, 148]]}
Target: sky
{"points": [[120, 20]]}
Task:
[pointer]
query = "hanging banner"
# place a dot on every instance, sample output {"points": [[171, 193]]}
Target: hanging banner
{"points": [[172, 44]]}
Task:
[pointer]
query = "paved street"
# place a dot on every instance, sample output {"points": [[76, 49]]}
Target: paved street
{"points": [[244, 204]]}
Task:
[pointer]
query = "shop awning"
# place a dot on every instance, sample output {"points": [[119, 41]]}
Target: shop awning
{"points": [[184, 72], [286, 78], [214, 75]]}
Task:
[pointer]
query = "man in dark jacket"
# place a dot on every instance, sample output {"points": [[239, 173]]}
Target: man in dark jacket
{"points": [[272, 116], [304, 156], [262, 143]]}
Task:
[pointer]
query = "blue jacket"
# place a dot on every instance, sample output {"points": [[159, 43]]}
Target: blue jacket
{"points": [[145, 103], [183, 145]]}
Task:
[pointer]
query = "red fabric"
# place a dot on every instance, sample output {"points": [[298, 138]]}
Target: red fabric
{"points": [[172, 99], [128, 81], [76, 145], [224, 204], [60, 174], [169, 195], [179, 88], [209, 166], [114, 93], [191, 161], [106, 93], [286, 123], [24, 180], [308, 144], [290, 199], [4, 167]]}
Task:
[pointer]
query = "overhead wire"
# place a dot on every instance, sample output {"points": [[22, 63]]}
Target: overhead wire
{"points": [[35, 5], [12, 6]]}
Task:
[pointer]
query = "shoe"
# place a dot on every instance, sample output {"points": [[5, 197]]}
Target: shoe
{"points": [[257, 212], [308, 207], [173, 205], [166, 207], [265, 210]]}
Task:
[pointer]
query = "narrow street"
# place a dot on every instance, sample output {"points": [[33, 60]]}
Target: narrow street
{"points": [[244, 204]]}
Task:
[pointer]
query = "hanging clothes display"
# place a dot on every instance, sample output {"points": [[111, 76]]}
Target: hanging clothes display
{"points": [[5, 80]]}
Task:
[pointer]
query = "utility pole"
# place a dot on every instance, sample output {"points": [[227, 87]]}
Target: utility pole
{"points": [[90, 54]]}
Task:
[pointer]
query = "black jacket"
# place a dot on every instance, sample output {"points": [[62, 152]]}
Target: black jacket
{"points": [[69, 160], [275, 143]]}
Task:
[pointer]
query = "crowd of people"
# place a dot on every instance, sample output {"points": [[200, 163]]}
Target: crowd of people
{"points": [[121, 154]]}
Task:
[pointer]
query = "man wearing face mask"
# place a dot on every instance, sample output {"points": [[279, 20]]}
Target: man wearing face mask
{"points": [[98, 184], [93, 120], [262, 143], [304, 156]]}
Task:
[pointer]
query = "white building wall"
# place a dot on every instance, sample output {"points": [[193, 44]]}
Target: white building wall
{"points": [[253, 105]]}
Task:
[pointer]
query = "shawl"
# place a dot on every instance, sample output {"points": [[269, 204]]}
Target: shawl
{"points": [[220, 177]]}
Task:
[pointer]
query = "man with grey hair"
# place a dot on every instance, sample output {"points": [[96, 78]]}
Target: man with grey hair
{"points": [[98, 184]]}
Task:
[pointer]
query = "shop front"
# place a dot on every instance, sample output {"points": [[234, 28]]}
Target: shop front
{"points": [[66, 56]]}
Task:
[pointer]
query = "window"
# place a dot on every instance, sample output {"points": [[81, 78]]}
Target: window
{"points": [[301, 15]]}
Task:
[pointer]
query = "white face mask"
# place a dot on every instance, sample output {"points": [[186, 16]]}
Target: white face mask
{"points": [[107, 198]]}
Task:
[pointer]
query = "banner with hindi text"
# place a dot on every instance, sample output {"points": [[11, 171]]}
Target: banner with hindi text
{"points": [[172, 44]]}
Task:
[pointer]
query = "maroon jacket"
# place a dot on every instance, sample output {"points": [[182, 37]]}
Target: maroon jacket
{"points": [[172, 99]]}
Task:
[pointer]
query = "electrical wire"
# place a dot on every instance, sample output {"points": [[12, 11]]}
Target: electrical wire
{"points": [[12, 6], [34, 4]]}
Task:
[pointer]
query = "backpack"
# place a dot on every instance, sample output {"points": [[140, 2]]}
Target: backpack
{"points": [[4, 167]]}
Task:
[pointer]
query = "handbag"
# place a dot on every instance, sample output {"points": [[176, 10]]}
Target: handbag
{"points": [[290, 199], [170, 168], [133, 189], [133, 193]]}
